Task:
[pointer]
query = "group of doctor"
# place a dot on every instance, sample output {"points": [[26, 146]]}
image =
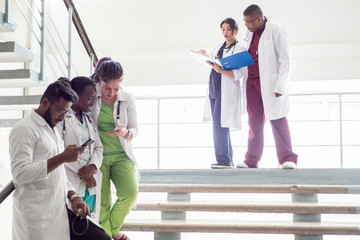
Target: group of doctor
{"points": [[58, 182], [261, 87]]}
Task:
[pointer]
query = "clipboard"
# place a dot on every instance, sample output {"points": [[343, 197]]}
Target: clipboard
{"points": [[235, 61]]}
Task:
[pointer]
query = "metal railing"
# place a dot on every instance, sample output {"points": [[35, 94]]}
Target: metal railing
{"points": [[54, 53], [39, 26], [158, 122]]}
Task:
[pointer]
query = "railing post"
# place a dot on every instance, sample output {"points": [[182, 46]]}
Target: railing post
{"points": [[298, 197], [7, 11], [70, 13], [42, 40], [341, 131], [158, 133], [91, 64]]}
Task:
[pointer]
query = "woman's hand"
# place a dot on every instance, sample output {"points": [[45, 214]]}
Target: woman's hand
{"points": [[202, 51], [87, 171], [214, 66], [119, 131], [90, 182]]}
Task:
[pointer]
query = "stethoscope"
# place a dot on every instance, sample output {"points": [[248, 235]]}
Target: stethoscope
{"points": [[232, 46], [118, 115]]}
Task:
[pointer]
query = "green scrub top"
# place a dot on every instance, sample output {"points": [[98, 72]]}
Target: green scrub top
{"points": [[106, 123]]}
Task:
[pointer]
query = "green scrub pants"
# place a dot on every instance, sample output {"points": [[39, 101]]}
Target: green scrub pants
{"points": [[121, 171]]}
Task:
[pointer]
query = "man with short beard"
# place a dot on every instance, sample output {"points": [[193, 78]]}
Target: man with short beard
{"points": [[37, 156]]}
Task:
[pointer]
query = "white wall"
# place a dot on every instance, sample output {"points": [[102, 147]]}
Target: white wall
{"points": [[151, 38]]}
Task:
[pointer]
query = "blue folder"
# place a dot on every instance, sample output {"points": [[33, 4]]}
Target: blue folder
{"points": [[236, 61]]}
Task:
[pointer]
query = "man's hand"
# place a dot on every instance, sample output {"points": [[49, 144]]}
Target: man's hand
{"points": [[72, 153], [87, 171], [278, 94], [80, 207]]}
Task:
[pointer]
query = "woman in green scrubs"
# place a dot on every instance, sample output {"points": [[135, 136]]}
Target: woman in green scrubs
{"points": [[115, 115]]}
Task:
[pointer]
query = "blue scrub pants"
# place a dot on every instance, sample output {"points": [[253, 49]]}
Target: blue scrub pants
{"points": [[222, 141]]}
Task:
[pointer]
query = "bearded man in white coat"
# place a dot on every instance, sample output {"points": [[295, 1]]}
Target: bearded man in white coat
{"points": [[266, 88], [37, 156]]}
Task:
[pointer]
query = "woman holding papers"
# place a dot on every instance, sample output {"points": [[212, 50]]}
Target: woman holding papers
{"points": [[225, 95]]}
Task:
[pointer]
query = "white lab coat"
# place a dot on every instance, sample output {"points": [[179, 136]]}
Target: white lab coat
{"points": [[39, 200], [70, 133], [274, 69], [232, 103], [128, 118]]}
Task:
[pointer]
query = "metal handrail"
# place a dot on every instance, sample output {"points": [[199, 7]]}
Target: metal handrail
{"points": [[42, 21], [158, 124], [8, 189], [81, 31]]}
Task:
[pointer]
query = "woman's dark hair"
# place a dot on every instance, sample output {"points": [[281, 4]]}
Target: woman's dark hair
{"points": [[60, 89], [253, 11], [78, 84], [107, 69], [233, 24]]}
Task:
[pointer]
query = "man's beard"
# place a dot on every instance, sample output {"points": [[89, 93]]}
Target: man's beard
{"points": [[47, 117]]}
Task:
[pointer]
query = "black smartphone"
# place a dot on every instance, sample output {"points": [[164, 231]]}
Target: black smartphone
{"points": [[88, 142]]}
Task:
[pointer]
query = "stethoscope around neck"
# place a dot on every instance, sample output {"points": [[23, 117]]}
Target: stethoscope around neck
{"points": [[118, 115], [232, 46]]}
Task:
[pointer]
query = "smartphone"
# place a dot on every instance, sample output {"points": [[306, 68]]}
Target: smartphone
{"points": [[88, 142], [116, 129]]}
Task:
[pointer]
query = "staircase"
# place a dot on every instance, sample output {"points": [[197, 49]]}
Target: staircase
{"points": [[13, 74]]}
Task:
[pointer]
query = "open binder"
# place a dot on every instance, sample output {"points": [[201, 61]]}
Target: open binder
{"points": [[235, 61]]}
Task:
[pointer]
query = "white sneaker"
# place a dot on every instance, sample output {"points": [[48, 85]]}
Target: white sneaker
{"points": [[242, 165], [221, 166], [289, 165]]}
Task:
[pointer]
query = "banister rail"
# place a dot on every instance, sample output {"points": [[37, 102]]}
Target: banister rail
{"points": [[42, 29], [81, 31], [8, 189]]}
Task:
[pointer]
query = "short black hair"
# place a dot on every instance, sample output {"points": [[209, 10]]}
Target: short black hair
{"points": [[233, 24], [78, 84], [107, 70], [253, 11], [60, 89]]}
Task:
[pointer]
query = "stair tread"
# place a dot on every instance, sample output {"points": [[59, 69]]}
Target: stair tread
{"points": [[14, 52], [241, 226], [21, 78]]}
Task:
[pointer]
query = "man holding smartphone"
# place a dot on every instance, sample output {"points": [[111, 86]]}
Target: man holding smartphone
{"points": [[37, 163], [37, 158]]}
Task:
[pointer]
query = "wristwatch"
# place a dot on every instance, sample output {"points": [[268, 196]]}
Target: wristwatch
{"points": [[128, 135]]}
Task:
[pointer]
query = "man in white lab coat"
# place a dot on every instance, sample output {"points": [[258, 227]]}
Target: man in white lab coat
{"points": [[37, 156], [266, 88]]}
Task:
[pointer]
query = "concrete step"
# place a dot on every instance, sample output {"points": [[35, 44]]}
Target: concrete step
{"points": [[252, 207], [21, 78], [238, 188], [6, 26], [19, 102], [13, 52], [242, 226]]}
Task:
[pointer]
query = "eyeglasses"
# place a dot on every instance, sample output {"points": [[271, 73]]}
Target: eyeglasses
{"points": [[248, 22], [60, 110]]}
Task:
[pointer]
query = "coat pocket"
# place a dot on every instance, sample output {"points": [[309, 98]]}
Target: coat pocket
{"points": [[39, 205]]}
